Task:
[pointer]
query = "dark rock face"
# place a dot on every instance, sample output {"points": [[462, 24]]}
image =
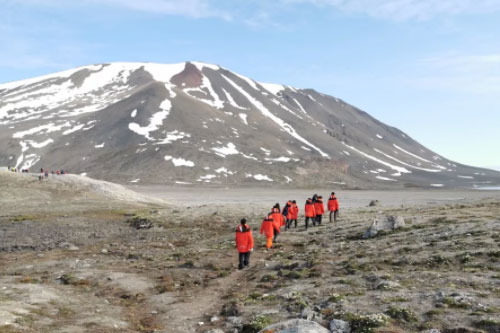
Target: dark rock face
{"points": [[202, 124]]}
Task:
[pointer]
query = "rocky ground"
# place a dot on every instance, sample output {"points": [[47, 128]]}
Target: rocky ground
{"points": [[74, 260]]}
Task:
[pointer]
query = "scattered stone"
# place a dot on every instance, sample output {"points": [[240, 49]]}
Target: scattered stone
{"points": [[384, 224], [387, 285], [214, 319], [339, 326], [307, 314], [296, 326], [232, 309], [216, 330], [374, 203], [140, 222], [104, 251]]}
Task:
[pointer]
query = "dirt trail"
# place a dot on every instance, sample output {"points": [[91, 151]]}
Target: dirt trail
{"points": [[188, 312]]}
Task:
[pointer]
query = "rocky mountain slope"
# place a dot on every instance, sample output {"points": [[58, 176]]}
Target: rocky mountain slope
{"points": [[203, 124]]}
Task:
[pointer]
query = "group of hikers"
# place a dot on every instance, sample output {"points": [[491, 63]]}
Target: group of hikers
{"points": [[14, 169], [44, 173], [271, 225]]}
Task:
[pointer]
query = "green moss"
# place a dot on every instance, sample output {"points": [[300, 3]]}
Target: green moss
{"points": [[452, 303], [401, 314], [257, 324], [395, 299], [335, 298], [489, 325], [365, 323]]}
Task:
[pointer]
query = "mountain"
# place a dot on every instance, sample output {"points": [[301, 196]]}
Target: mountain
{"points": [[203, 124]]}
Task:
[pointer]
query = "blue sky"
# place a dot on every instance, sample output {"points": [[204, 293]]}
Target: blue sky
{"points": [[429, 67]]}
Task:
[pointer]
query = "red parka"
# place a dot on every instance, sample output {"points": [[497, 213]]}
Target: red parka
{"points": [[244, 238], [319, 207], [268, 227], [333, 204], [309, 209], [278, 218], [293, 212]]}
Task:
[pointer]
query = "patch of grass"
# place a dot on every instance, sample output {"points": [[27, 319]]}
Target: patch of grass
{"points": [[401, 314], [269, 277], [489, 325], [257, 324], [65, 312], [20, 218], [494, 254], [452, 303], [395, 299], [335, 298], [365, 323]]}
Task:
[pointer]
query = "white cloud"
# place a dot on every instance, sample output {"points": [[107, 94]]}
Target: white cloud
{"points": [[189, 8], [401, 10], [478, 74]]}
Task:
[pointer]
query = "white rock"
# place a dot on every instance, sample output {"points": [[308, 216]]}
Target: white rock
{"points": [[340, 326], [296, 326]]}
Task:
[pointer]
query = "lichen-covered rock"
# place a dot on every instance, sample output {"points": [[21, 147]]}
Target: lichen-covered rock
{"points": [[295, 326], [339, 326], [384, 224]]}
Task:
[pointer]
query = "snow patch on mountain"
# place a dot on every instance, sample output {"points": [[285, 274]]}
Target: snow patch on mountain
{"points": [[229, 149], [394, 167], [272, 87], [155, 121], [289, 129]]}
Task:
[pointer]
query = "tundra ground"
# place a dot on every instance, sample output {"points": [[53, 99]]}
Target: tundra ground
{"points": [[73, 262]]}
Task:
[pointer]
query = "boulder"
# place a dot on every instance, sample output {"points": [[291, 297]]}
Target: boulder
{"points": [[139, 223], [295, 326], [384, 224], [374, 203], [340, 326]]}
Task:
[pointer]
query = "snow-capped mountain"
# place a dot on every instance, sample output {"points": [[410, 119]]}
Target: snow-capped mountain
{"points": [[200, 123]]}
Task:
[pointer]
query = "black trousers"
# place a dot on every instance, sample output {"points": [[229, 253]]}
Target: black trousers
{"points": [[319, 218], [244, 259], [312, 219], [334, 213], [289, 223], [275, 235]]}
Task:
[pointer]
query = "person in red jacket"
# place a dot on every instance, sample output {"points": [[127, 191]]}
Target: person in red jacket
{"points": [[244, 243], [278, 220], [293, 213], [310, 212], [286, 213], [333, 207], [268, 228], [319, 208]]}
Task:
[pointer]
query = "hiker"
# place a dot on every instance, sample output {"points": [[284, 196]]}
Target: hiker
{"points": [[46, 173], [314, 198], [293, 213], [268, 228], [319, 208], [278, 220], [244, 243], [286, 214], [333, 207], [310, 212]]}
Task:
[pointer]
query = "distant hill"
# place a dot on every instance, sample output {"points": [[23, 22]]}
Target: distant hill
{"points": [[198, 123]]}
